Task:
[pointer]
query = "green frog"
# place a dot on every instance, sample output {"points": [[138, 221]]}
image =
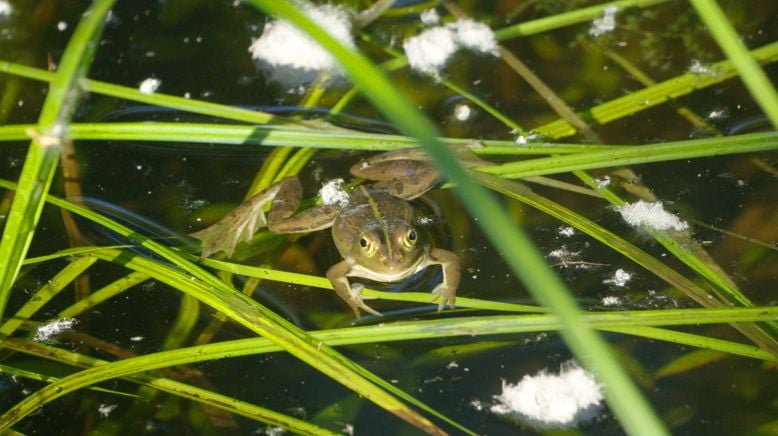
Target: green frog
{"points": [[374, 227]]}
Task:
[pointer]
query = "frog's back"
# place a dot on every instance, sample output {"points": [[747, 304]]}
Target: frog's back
{"points": [[372, 206]]}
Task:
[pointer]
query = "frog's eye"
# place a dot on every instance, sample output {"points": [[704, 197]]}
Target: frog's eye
{"points": [[367, 245], [409, 239]]}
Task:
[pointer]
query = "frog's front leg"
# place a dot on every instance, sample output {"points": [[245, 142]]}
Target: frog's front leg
{"points": [[446, 291], [352, 295], [281, 218]]}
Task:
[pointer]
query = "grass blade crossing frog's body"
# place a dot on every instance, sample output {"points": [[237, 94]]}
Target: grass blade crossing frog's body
{"points": [[374, 230]]}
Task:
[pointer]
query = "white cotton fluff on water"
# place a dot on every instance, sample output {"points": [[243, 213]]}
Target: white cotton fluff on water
{"points": [[149, 86], [290, 57], [49, 331], [430, 17], [334, 193], [607, 23], [429, 51], [475, 36], [697, 67], [5, 8], [619, 279], [547, 400], [654, 215]]}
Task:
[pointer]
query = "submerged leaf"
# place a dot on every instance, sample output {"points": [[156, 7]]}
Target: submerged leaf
{"points": [[690, 361]]}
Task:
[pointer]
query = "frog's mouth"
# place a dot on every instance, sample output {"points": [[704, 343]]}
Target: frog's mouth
{"points": [[388, 274]]}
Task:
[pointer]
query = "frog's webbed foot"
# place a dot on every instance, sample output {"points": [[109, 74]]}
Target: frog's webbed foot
{"points": [[445, 296], [446, 291], [351, 294], [356, 301], [242, 222]]}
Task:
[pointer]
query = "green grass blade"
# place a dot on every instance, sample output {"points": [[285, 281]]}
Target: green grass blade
{"points": [[181, 328], [322, 282], [158, 99], [703, 296], [623, 397], [639, 154], [33, 375], [732, 45], [567, 18], [194, 133], [43, 153], [46, 293], [109, 291], [576, 156], [134, 278]]}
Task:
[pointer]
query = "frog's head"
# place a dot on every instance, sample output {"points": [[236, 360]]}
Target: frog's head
{"points": [[391, 251]]}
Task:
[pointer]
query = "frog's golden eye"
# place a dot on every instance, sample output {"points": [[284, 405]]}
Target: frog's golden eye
{"points": [[409, 239], [368, 246]]}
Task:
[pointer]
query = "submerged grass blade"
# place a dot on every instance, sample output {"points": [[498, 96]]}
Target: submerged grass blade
{"points": [[732, 45], [44, 150], [625, 400], [46, 293]]}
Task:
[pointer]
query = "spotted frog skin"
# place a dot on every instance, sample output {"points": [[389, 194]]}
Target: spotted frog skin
{"points": [[374, 230]]}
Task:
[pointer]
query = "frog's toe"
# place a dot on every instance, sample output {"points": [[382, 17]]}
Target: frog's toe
{"points": [[369, 309], [446, 295], [356, 303]]}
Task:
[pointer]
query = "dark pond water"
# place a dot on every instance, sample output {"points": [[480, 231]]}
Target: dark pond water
{"points": [[200, 49]]}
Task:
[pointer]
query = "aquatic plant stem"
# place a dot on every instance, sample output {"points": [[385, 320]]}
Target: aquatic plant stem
{"points": [[44, 151]]}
